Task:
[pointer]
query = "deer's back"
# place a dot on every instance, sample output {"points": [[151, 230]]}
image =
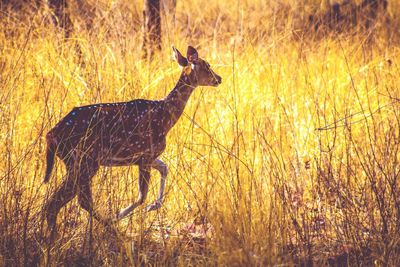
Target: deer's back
{"points": [[111, 131]]}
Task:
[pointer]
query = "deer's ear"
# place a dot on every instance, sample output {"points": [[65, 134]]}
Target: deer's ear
{"points": [[182, 61], [192, 54]]}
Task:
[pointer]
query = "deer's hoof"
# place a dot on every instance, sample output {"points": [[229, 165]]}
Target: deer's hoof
{"points": [[155, 206], [121, 216]]}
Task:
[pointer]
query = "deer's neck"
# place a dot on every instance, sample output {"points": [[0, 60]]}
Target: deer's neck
{"points": [[176, 101]]}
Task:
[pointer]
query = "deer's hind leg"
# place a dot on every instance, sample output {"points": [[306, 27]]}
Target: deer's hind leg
{"points": [[85, 197], [65, 193]]}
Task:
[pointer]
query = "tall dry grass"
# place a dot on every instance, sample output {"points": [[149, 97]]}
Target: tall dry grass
{"points": [[294, 159]]}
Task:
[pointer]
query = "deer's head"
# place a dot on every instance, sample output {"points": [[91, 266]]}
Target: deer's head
{"points": [[196, 71]]}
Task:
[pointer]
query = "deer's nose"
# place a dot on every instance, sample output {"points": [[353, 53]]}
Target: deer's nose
{"points": [[218, 79]]}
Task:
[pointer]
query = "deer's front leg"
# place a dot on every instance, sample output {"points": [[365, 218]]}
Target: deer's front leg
{"points": [[144, 179], [162, 168]]}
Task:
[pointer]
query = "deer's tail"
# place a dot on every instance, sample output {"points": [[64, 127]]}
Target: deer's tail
{"points": [[50, 155]]}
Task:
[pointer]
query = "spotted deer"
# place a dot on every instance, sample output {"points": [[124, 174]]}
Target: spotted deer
{"points": [[120, 134]]}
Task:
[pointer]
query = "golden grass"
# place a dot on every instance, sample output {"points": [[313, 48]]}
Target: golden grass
{"points": [[293, 159]]}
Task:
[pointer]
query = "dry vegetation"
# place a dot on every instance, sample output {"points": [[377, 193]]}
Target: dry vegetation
{"points": [[294, 159]]}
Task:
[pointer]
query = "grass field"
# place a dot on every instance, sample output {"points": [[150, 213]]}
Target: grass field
{"points": [[293, 159]]}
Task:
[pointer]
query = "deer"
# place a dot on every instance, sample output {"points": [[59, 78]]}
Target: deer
{"points": [[119, 134]]}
